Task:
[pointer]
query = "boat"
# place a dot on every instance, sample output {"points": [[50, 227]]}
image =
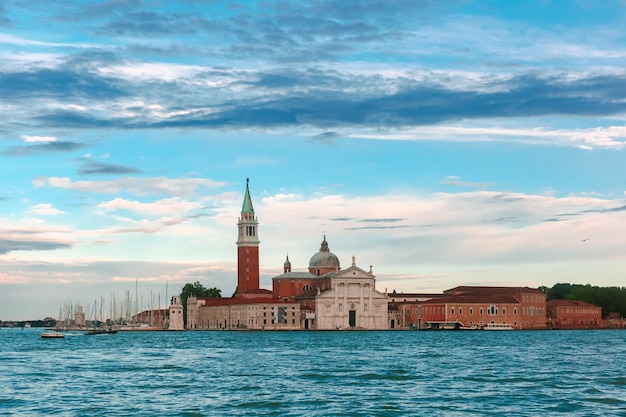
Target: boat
{"points": [[100, 331], [52, 335], [497, 326], [443, 325]]}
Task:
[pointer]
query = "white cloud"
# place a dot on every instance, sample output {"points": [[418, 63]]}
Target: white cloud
{"points": [[152, 71], [476, 227], [456, 181], [181, 187], [38, 138], [170, 206], [45, 209], [613, 137]]}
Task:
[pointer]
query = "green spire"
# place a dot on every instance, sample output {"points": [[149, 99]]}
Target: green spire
{"points": [[247, 201]]}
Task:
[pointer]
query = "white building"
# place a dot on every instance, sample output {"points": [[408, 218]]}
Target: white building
{"points": [[176, 314], [352, 302]]}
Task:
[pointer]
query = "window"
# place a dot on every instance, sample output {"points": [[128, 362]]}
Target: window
{"points": [[282, 315], [481, 311], [492, 311], [460, 310], [515, 311], [503, 310], [452, 310], [307, 287], [471, 311]]}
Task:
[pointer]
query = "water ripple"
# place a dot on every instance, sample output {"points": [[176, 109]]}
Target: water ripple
{"points": [[314, 373]]}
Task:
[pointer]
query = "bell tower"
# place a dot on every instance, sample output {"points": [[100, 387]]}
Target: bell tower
{"points": [[247, 249]]}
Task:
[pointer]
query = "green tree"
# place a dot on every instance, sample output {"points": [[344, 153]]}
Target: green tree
{"points": [[197, 290], [558, 292]]}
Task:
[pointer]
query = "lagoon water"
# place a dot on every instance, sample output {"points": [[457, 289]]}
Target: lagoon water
{"points": [[345, 373]]}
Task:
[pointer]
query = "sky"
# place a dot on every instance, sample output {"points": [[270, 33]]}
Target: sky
{"points": [[442, 143]]}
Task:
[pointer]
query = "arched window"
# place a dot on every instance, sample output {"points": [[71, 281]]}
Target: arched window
{"points": [[306, 287]]}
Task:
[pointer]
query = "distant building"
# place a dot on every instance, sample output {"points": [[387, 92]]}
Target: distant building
{"points": [[572, 314], [248, 313], [176, 321], [473, 306], [334, 298], [79, 317], [528, 304], [351, 302], [151, 318], [324, 297], [251, 307], [615, 321]]}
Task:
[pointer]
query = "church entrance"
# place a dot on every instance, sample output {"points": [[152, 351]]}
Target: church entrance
{"points": [[352, 318]]}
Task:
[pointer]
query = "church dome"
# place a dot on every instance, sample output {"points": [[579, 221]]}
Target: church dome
{"points": [[324, 259]]}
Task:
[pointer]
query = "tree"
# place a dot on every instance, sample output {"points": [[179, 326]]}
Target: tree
{"points": [[197, 290], [558, 292]]}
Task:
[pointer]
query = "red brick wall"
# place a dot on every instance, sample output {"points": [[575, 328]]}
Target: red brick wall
{"points": [[247, 268], [533, 310], [288, 287], [575, 317], [479, 313]]}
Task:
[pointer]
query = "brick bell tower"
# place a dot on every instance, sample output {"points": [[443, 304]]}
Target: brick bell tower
{"points": [[247, 249]]}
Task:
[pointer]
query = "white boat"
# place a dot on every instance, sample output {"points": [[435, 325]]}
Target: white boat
{"points": [[497, 326], [52, 335], [443, 325]]}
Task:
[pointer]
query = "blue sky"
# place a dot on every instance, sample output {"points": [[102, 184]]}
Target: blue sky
{"points": [[443, 143]]}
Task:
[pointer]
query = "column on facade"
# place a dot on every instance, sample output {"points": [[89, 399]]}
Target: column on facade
{"points": [[335, 309], [361, 301], [371, 306], [345, 299]]}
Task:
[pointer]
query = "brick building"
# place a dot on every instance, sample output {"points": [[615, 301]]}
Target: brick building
{"points": [[572, 314], [519, 307]]}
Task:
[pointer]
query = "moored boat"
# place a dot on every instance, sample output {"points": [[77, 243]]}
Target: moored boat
{"points": [[52, 335], [100, 331], [443, 325], [497, 326]]}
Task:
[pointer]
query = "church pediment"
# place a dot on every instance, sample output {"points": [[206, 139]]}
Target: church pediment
{"points": [[354, 272]]}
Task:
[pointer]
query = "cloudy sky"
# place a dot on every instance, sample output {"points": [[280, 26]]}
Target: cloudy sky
{"points": [[442, 142]]}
